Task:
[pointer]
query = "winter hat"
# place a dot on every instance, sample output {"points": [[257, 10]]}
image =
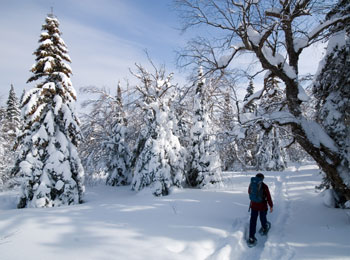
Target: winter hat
{"points": [[260, 175]]}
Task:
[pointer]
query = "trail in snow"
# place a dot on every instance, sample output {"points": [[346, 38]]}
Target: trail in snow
{"points": [[189, 224], [272, 246], [234, 246], [276, 246]]}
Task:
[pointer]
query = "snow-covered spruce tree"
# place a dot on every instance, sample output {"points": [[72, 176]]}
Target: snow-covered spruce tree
{"points": [[49, 162], [332, 92], [226, 143], [205, 163], [159, 163], [3, 162], [118, 159], [270, 155], [249, 142], [13, 114], [250, 91], [10, 128], [226, 126]]}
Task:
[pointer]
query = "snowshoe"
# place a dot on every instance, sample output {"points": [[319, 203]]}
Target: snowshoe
{"points": [[251, 242], [264, 231]]}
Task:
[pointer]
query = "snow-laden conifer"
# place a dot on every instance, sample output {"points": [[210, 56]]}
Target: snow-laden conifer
{"points": [[49, 162], [227, 146], [3, 162], [332, 92], [159, 163], [10, 128], [13, 114], [250, 91], [118, 156], [270, 155], [205, 163]]}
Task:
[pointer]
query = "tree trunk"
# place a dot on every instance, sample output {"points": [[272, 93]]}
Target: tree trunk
{"points": [[327, 161]]}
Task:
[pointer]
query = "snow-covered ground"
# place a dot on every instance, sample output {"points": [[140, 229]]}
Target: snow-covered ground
{"points": [[116, 223]]}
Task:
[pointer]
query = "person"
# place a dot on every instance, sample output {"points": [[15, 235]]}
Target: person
{"points": [[259, 209]]}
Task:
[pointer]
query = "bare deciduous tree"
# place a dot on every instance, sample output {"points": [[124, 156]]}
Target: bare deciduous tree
{"points": [[277, 32]]}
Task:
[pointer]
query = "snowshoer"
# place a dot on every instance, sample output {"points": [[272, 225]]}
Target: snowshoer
{"points": [[260, 199]]}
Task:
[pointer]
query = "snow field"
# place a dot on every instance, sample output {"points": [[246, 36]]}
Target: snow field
{"points": [[117, 223]]}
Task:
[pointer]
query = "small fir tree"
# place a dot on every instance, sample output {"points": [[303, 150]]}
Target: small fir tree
{"points": [[3, 143], [117, 164], [250, 91], [49, 163], [270, 155], [228, 152], [159, 164], [13, 114], [205, 163], [10, 128]]}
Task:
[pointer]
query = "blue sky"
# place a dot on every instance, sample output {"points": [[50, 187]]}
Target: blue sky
{"points": [[104, 38]]}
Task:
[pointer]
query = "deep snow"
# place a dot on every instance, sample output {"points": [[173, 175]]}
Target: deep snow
{"points": [[116, 223]]}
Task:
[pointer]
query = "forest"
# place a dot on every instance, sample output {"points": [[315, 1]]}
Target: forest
{"points": [[158, 135]]}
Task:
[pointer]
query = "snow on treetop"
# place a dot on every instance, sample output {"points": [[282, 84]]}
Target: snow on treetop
{"points": [[46, 42], [51, 18], [256, 95], [44, 34]]}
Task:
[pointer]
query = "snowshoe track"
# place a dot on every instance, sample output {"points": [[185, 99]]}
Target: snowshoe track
{"points": [[276, 246], [272, 246]]}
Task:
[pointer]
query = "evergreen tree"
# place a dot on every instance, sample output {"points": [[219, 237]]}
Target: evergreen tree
{"points": [[13, 114], [10, 128], [2, 113], [49, 162], [270, 155], [250, 91], [117, 163], [332, 92], [227, 148], [205, 162], [159, 162], [3, 143]]}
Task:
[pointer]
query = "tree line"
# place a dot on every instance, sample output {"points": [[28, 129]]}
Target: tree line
{"points": [[158, 135]]}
